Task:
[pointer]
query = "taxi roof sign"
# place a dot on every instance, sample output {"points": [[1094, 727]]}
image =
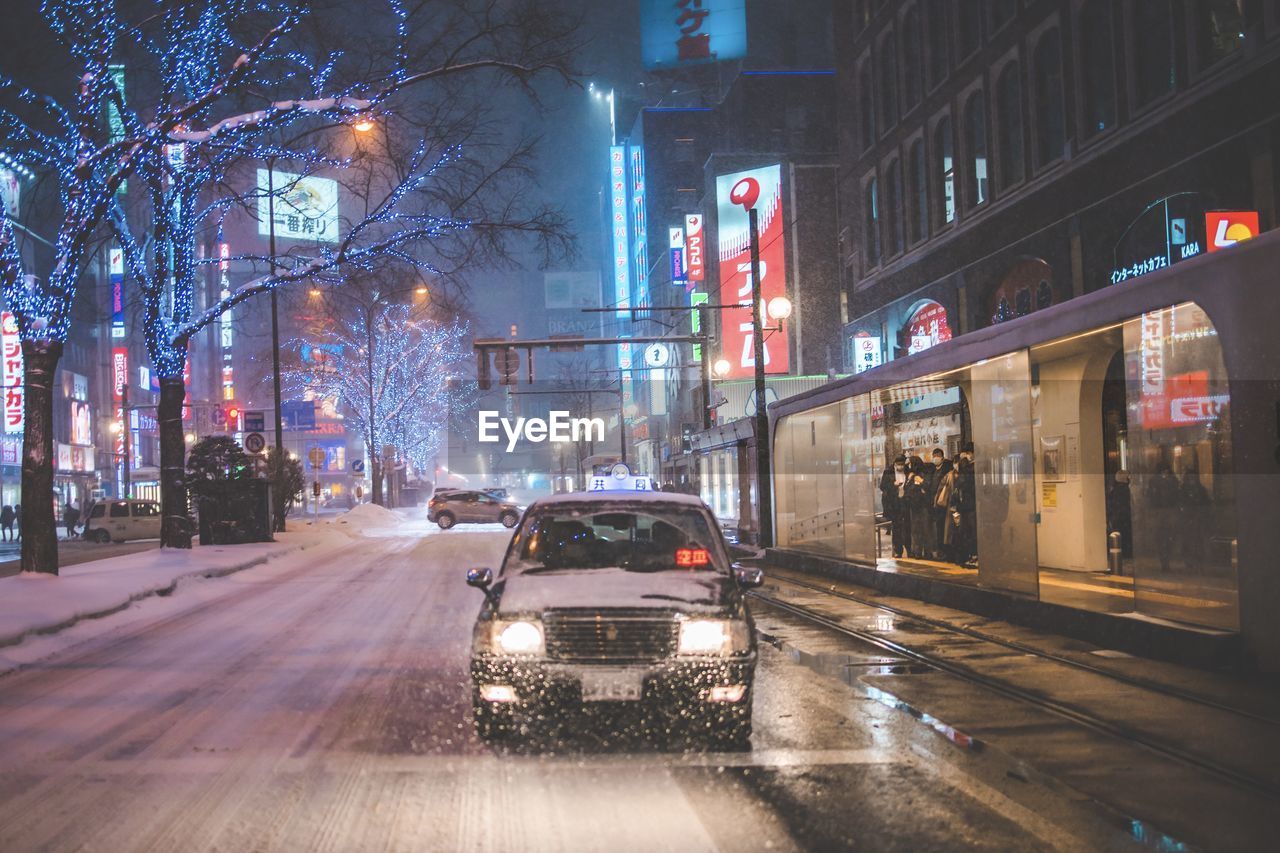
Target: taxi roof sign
{"points": [[620, 479]]}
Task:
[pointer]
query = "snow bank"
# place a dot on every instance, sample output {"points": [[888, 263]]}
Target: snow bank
{"points": [[369, 515], [41, 604]]}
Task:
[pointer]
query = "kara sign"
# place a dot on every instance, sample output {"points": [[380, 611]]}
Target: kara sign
{"points": [[735, 195], [688, 32], [14, 388], [1166, 232], [306, 207], [694, 261]]}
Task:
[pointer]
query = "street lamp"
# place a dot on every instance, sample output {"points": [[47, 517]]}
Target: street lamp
{"points": [[779, 308], [362, 124], [722, 367]]}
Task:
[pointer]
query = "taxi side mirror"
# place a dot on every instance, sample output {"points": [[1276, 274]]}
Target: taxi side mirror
{"points": [[748, 577], [482, 579]]}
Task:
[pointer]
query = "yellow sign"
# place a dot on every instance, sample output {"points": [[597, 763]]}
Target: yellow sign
{"points": [[1049, 495]]}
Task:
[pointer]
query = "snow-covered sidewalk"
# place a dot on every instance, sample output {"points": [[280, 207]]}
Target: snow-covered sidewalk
{"points": [[43, 604]]}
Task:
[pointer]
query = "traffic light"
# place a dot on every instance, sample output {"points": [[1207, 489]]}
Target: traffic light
{"points": [[509, 366], [484, 380], [233, 417]]}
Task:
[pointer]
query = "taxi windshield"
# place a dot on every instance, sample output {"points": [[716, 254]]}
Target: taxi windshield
{"points": [[640, 540]]}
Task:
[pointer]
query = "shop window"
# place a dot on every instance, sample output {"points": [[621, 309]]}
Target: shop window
{"points": [[913, 59], [1026, 287], [871, 224], [975, 141], [1219, 30], [917, 194], [1009, 125], [1098, 67], [1050, 129], [867, 105], [888, 83], [893, 208], [935, 23], [1152, 42], [944, 171]]}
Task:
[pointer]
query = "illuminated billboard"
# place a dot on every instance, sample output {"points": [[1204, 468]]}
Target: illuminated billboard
{"points": [[735, 194], [14, 384], [618, 225], [694, 265], [639, 231], [689, 32], [306, 207]]}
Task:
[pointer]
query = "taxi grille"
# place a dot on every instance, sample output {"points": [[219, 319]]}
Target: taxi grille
{"points": [[603, 636]]}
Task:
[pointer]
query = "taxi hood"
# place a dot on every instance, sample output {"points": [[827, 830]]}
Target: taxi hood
{"points": [[535, 592]]}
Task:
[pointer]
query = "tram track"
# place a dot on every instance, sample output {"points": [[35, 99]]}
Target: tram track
{"points": [[1074, 714], [1022, 648]]}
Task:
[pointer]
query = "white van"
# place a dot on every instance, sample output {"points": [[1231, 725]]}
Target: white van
{"points": [[120, 520]]}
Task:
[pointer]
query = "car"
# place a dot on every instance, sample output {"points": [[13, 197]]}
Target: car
{"points": [[121, 520], [619, 599], [467, 506]]}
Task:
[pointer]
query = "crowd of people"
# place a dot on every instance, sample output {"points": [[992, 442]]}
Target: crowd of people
{"points": [[930, 506]]}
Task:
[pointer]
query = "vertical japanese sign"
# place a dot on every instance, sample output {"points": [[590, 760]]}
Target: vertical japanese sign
{"points": [[639, 230], [675, 243], [618, 223], [694, 262], [735, 194], [14, 388], [628, 384], [695, 321], [688, 32], [115, 271], [225, 335], [119, 379], [115, 121], [1151, 372]]}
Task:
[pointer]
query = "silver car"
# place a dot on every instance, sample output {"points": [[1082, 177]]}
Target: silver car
{"points": [[460, 506]]}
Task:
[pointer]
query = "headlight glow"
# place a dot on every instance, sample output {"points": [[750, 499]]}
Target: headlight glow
{"points": [[704, 637], [518, 638]]}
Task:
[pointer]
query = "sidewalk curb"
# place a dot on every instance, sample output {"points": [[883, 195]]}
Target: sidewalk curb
{"points": [[162, 591]]}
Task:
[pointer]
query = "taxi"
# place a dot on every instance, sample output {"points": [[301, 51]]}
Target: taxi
{"points": [[622, 597]]}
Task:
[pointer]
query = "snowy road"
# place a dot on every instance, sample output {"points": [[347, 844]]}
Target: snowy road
{"points": [[321, 703]]}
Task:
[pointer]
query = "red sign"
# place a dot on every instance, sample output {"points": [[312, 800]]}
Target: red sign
{"points": [[694, 263], [927, 327], [735, 195], [119, 371], [1225, 228], [13, 367]]}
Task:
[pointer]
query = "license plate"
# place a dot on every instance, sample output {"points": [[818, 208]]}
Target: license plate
{"points": [[612, 685]]}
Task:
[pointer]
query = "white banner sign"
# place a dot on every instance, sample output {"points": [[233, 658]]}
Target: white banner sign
{"points": [[306, 208]]}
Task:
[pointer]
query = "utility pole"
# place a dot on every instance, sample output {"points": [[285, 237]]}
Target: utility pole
{"points": [[124, 425], [275, 318], [764, 502]]}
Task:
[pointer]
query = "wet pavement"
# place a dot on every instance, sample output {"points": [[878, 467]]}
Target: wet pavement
{"points": [[324, 704]]}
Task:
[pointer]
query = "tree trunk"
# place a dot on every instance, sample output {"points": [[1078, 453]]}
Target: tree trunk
{"points": [[175, 524], [375, 484], [39, 527]]}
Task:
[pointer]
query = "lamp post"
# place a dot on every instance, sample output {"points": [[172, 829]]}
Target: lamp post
{"points": [[764, 496]]}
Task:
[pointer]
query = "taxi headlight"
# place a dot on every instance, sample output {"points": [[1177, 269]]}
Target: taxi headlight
{"points": [[712, 637], [517, 638]]}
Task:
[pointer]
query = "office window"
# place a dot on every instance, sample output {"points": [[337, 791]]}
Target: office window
{"points": [[944, 172], [975, 143], [917, 194], [1009, 125], [968, 29], [1050, 124], [1152, 40], [912, 59], [867, 105], [888, 83], [1219, 30], [1001, 12], [893, 208], [1097, 67], [871, 224], [935, 23]]}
